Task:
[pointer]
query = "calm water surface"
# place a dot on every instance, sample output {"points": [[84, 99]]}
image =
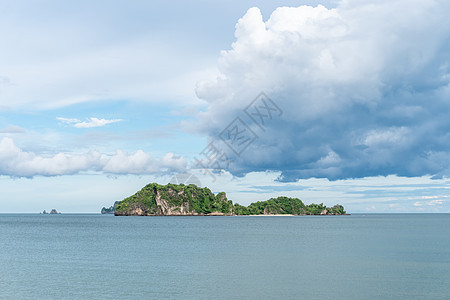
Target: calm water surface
{"points": [[401, 256]]}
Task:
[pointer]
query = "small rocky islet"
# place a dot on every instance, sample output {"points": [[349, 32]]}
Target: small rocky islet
{"points": [[190, 200], [52, 212]]}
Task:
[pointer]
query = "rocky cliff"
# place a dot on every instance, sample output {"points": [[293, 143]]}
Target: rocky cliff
{"points": [[174, 200]]}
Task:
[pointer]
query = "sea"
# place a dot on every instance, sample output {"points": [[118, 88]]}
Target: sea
{"points": [[360, 256]]}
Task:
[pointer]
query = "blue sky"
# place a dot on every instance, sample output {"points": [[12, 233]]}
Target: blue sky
{"points": [[99, 99]]}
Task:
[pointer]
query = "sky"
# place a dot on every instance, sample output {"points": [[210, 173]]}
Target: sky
{"points": [[329, 101]]}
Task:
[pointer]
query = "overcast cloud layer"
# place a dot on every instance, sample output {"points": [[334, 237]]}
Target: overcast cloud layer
{"points": [[364, 90]]}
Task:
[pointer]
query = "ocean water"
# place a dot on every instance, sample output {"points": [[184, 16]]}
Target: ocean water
{"points": [[372, 256]]}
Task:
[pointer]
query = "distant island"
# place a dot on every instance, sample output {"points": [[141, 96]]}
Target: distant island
{"points": [[191, 200], [109, 210], [52, 212]]}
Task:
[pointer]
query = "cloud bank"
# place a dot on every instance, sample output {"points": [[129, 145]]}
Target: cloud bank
{"points": [[364, 87], [18, 163]]}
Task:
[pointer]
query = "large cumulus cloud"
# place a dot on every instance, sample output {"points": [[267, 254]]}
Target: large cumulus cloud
{"points": [[364, 89]]}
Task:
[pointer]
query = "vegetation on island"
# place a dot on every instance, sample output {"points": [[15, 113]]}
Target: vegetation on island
{"points": [[286, 205], [180, 199]]}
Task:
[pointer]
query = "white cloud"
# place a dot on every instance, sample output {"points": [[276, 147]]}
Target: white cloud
{"points": [[93, 122], [18, 163], [364, 89], [429, 203], [68, 120], [142, 163]]}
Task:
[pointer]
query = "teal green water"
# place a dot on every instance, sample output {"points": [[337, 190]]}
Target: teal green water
{"points": [[401, 256]]}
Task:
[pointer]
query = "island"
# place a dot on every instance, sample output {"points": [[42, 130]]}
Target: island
{"points": [[109, 210], [52, 212], [191, 200]]}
